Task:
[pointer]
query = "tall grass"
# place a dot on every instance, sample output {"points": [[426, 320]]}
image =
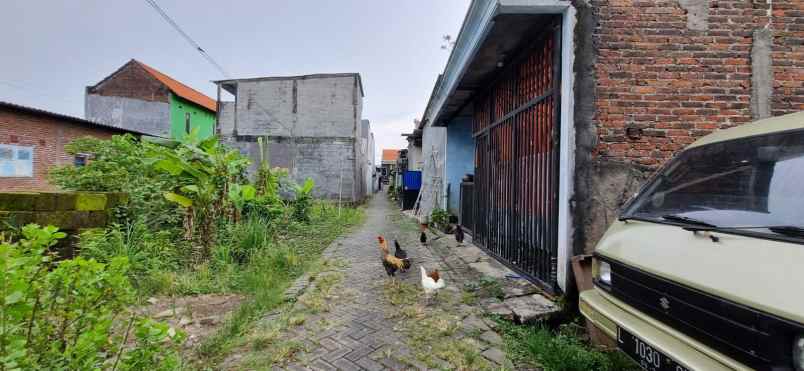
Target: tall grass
{"points": [[258, 257], [272, 261], [149, 253], [558, 350]]}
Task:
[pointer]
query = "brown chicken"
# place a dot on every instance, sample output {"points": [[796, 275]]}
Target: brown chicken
{"points": [[389, 262]]}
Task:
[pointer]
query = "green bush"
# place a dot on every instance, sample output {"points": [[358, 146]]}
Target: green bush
{"points": [[62, 315], [439, 218], [303, 201], [117, 165]]}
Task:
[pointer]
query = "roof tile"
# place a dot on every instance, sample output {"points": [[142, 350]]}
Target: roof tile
{"points": [[390, 154], [180, 89]]}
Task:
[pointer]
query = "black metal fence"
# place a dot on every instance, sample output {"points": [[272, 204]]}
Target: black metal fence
{"points": [[467, 220], [516, 128]]}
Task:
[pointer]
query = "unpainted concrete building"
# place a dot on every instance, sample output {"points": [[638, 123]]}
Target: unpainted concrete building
{"points": [[312, 125]]}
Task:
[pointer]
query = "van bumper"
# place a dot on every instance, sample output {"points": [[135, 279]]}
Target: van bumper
{"points": [[607, 313]]}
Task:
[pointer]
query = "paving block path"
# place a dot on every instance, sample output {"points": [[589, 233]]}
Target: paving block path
{"points": [[358, 331]]}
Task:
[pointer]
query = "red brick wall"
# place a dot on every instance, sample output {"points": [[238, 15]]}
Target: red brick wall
{"points": [[132, 81], [48, 136], [677, 84]]}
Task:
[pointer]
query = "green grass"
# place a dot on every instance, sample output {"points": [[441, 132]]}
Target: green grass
{"points": [[267, 273], [559, 350]]}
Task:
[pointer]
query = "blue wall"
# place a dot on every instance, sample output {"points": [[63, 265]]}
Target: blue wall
{"points": [[460, 159]]}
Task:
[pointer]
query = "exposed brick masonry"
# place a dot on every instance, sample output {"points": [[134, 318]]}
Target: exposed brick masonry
{"points": [[677, 84], [48, 136], [132, 81]]}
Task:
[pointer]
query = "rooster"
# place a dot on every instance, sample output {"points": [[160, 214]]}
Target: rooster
{"points": [[399, 253], [389, 262], [459, 235], [431, 282]]}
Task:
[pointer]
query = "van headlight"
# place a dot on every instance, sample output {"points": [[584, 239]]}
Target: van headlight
{"points": [[601, 271], [798, 353]]}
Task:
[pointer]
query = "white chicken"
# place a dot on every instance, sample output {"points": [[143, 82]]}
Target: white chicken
{"points": [[431, 282]]}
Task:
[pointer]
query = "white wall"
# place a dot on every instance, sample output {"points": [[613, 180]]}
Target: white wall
{"points": [[434, 150]]}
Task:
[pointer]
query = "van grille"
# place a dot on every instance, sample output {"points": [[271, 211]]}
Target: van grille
{"points": [[756, 339]]}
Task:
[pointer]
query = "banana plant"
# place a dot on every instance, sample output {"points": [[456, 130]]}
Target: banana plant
{"points": [[239, 195], [204, 169], [302, 203]]}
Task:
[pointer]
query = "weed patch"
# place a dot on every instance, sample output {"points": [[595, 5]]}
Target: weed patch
{"points": [[432, 332], [558, 350]]}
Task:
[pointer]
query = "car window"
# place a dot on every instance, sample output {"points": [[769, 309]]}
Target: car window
{"points": [[744, 182]]}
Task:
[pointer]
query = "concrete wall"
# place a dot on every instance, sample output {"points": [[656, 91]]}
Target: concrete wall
{"points": [[434, 142], [460, 160], [313, 125], [151, 117], [372, 176], [311, 107], [367, 156], [225, 124], [414, 157]]}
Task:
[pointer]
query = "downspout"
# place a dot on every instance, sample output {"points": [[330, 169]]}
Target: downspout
{"points": [[217, 128]]}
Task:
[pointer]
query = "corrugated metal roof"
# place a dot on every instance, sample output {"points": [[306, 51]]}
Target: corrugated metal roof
{"points": [[390, 154], [180, 89], [64, 117]]}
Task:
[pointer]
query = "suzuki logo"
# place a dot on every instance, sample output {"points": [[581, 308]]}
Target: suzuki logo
{"points": [[665, 303]]}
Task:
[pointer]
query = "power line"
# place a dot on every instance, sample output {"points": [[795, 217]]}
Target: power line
{"points": [[187, 37]]}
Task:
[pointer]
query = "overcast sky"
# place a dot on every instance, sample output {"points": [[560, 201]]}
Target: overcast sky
{"points": [[52, 49]]}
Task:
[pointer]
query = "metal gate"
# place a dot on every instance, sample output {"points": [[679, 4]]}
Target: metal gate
{"points": [[467, 219], [516, 129]]}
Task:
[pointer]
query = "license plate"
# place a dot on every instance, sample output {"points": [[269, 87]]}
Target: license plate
{"points": [[646, 355]]}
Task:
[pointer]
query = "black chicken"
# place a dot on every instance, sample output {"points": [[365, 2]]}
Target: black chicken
{"points": [[459, 235], [423, 235], [402, 255]]}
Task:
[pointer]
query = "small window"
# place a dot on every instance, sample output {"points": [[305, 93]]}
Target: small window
{"points": [[80, 160], [187, 122], [23, 154], [6, 153], [16, 161]]}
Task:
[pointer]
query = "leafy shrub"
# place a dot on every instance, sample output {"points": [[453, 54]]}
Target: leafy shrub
{"points": [[117, 166], [301, 205], [149, 352], [439, 218], [61, 315]]}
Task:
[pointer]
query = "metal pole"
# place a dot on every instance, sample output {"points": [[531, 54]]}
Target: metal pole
{"points": [[340, 187]]}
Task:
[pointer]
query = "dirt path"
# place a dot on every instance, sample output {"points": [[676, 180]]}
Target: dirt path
{"points": [[348, 315]]}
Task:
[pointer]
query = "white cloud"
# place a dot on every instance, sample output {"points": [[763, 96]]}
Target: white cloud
{"points": [[387, 133]]}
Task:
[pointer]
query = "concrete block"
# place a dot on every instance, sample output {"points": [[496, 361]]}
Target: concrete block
{"points": [[531, 308]]}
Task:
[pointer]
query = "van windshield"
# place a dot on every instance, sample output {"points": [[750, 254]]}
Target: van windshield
{"points": [[751, 183]]}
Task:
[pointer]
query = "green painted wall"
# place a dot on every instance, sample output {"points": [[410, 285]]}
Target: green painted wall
{"points": [[200, 118]]}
